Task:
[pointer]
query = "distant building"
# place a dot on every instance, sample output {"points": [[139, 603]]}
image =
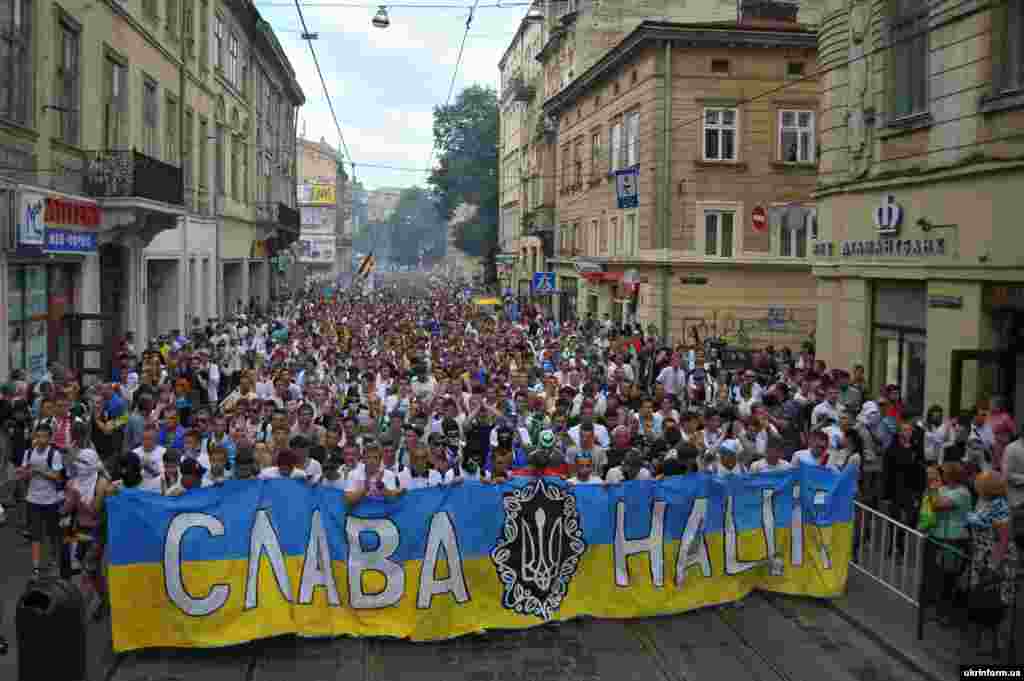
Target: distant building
{"points": [[324, 207], [381, 203]]}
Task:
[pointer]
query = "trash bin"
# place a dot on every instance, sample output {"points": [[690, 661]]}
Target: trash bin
{"points": [[50, 623]]}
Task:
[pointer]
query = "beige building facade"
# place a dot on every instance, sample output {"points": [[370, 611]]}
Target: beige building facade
{"points": [[919, 263], [325, 245], [667, 156], [110, 205]]}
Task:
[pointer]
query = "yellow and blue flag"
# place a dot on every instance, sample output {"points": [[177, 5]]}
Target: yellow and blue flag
{"points": [[254, 559]]}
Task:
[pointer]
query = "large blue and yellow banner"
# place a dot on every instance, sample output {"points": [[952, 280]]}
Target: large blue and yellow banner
{"points": [[254, 559]]}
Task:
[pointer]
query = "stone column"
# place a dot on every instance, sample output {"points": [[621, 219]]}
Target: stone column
{"points": [[135, 314], [243, 289], [184, 296], [88, 302]]}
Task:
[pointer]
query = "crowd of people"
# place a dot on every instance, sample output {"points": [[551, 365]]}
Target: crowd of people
{"points": [[404, 388]]}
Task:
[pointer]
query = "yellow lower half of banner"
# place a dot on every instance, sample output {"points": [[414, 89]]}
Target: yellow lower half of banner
{"points": [[143, 615]]}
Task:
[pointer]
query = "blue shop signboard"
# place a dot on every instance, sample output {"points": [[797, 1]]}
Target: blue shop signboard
{"points": [[50, 224]]}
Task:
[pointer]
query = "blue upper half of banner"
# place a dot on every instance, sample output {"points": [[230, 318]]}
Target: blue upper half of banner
{"points": [[140, 521]]}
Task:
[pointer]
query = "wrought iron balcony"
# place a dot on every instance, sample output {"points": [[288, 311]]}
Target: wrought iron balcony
{"points": [[288, 217], [520, 90], [277, 213], [126, 174]]}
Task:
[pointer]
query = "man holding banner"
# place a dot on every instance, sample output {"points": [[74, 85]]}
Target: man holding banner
{"points": [[523, 545]]}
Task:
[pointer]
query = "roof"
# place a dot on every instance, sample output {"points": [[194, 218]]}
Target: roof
{"points": [[751, 33], [526, 21]]}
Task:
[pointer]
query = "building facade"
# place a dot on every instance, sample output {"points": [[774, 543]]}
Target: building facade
{"points": [[104, 214], [324, 194], [381, 203], [919, 264], [684, 194]]}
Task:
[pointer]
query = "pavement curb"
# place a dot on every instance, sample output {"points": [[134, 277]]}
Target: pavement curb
{"points": [[895, 651]]}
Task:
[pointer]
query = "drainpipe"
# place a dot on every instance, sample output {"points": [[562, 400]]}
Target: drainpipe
{"points": [[665, 209], [183, 260]]}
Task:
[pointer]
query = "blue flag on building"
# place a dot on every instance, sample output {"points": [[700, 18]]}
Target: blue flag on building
{"points": [[626, 187]]}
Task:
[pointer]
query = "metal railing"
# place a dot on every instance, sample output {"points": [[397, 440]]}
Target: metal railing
{"points": [[889, 552]]}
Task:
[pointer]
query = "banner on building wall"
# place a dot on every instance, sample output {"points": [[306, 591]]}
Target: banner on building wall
{"points": [[317, 193], [254, 559], [316, 248], [627, 182]]}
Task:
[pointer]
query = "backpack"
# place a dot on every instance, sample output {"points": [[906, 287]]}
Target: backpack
{"points": [[62, 481]]}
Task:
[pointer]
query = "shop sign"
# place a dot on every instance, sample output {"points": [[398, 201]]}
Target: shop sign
{"points": [[889, 216], [947, 302], [31, 224], [882, 248], [44, 222]]}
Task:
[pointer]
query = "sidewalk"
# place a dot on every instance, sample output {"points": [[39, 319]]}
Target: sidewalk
{"points": [[17, 568], [892, 622]]}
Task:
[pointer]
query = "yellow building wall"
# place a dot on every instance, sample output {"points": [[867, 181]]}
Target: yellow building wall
{"points": [[735, 304], [236, 239]]}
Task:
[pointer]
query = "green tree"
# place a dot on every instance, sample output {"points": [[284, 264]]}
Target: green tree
{"points": [[415, 228], [466, 137]]}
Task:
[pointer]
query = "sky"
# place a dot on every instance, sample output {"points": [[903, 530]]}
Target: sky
{"points": [[385, 83]]}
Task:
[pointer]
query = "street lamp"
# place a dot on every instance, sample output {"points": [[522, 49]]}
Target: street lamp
{"points": [[380, 20]]}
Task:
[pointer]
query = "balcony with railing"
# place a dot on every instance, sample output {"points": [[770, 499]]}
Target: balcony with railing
{"points": [[278, 214], [131, 174]]}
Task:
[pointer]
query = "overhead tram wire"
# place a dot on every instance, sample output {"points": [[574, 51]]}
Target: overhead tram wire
{"points": [[499, 5], [323, 84], [455, 71], [812, 76]]}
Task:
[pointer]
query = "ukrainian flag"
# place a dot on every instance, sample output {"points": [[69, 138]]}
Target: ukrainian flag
{"points": [[367, 266], [254, 559]]}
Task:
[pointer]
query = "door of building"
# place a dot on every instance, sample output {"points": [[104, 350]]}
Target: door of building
{"points": [[995, 373]]}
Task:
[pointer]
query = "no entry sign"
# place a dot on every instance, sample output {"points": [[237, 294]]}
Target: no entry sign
{"points": [[759, 219]]}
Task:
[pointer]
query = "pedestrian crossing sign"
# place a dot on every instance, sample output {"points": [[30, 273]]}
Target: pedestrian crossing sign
{"points": [[543, 283]]}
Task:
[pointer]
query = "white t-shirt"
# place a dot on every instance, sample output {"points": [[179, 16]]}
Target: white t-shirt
{"points": [[314, 471], [407, 481], [274, 473], [42, 491], [616, 476], [594, 479], [762, 466], [673, 380], [806, 457], [154, 459], [357, 480], [339, 484]]}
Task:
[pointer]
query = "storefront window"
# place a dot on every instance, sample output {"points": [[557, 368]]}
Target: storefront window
{"points": [[899, 345], [39, 299], [568, 286]]}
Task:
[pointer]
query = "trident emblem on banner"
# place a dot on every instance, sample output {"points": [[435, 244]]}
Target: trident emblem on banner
{"points": [[540, 548]]}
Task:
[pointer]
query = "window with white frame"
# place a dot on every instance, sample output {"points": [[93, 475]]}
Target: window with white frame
{"points": [[16, 65], [615, 146], [718, 233], [632, 138], [233, 66], [1012, 71], [150, 119], [218, 42], [720, 131], [630, 237], [793, 232], [796, 136], [909, 68]]}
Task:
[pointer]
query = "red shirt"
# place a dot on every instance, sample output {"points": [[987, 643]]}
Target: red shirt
{"points": [[529, 472]]}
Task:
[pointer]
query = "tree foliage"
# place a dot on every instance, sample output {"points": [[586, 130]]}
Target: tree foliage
{"points": [[414, 229], [466, 135]]}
